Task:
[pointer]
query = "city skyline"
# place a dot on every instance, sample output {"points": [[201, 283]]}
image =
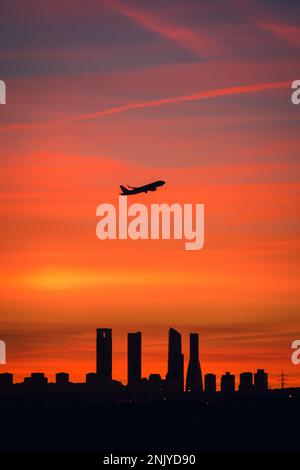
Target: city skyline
{"points": [[175, 383], [138, 342]]}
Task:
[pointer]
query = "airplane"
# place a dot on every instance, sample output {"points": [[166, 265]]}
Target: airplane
{"points": [[141, 189]]}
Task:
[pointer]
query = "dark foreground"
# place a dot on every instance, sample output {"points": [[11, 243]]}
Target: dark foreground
{"points": [[77, 427]]}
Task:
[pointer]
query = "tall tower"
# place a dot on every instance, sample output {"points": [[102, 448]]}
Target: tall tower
{"points": [[134, 358], [194, 376], [104, 354], [174, 375]]}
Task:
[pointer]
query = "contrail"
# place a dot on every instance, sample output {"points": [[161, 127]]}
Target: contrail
{"points": [[198, 96]]}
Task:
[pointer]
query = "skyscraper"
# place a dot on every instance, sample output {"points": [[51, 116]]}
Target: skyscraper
{"points": [[104, 354], [134, 358], [194, 382], [174, 377]]}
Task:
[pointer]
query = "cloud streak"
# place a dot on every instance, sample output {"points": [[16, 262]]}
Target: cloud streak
{"points": [[288, 33], [197, 96], [199, 43]]}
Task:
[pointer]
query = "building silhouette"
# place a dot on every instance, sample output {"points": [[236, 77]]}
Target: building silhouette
{"points": [[134, 358], [36, 378], [6, 378], [175, 374], [246, 382], [104, 354], [194, 383], [228, 383], [92, 378], [155, 378], [62, 378], [155, 387], [210, 383], [260, 381]]}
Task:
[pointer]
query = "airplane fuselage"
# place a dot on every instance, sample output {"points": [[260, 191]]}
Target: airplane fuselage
{"points": [[142, 189]]}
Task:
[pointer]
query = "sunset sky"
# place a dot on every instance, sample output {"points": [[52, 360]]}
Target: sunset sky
{"points": [[103, 93]]}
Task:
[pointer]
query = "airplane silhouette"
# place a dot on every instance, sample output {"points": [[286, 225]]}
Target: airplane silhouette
{"points": [[141, 189]]}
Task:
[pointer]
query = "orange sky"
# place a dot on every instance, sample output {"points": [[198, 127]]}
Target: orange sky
{"points": [[179, 118]]}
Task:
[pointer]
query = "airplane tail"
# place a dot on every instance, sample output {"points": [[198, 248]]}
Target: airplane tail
{"points": [[124, 190]]}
